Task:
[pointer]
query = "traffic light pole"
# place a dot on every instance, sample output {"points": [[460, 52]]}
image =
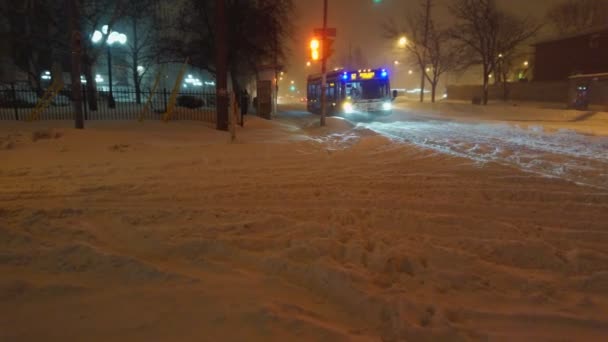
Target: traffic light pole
{"points": [[324, 66]]}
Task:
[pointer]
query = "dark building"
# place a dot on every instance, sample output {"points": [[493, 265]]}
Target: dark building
{"points": [[584, 53]]}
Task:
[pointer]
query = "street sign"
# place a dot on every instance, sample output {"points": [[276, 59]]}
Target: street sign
{"points": [[330, 32]]}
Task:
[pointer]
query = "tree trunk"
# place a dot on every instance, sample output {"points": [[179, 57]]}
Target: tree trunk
{"points": [[137, 88], [433, 91], [136, 78], [505, 88], [486, 85], [427, 21], [91, 86]]}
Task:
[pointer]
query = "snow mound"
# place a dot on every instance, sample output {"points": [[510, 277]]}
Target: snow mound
{"points": [[84, 259]]}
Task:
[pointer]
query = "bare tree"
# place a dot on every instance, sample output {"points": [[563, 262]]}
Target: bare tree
{"points": [[442, 57], [257, 34], [571, 16], [429, 48], [94, 15], [484, 32], [142, 45], [30, 31]]}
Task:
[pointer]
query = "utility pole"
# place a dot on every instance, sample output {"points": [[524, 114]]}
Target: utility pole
{"points": [[76, 44], [221, 86], [324, 52], [427, 21]]}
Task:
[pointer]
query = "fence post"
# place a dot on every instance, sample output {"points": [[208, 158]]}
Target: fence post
{"points": [[165, 99], [14, 91], [85, 102]]}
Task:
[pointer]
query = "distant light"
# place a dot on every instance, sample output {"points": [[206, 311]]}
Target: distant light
{"points": [[140, 70], [428, 69], [500, 55], [83, 79], [526, 63], [292, 88], [410, 72], [104, 29], [308, 63], [282, 73], [292, 82], [280, 78], [396, 62], [98, 79], [490, 75], [386, 106], [445, 96]]}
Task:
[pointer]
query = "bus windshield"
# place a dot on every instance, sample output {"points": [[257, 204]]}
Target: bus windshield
{"points": [[367, 90]]}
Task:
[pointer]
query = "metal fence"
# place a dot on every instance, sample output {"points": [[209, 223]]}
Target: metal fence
{"points": [[19, 103]]}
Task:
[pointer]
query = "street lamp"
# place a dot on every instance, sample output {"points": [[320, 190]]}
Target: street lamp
{"points": [[402, 42], [526, 63], [113, 37]]}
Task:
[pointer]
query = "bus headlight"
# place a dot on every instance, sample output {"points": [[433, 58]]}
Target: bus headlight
{"points": [[348, 108], [387, 106]]}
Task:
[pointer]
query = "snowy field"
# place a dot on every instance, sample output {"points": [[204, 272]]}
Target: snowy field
{"points": [[421, 229]]}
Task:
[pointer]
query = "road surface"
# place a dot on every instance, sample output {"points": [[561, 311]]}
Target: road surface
{"points": [[549, 143]]}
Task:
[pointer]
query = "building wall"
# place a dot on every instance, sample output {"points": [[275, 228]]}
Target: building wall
{"points": [[524, 91], [557, 60]]}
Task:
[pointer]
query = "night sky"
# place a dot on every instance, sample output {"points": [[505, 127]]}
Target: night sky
{"points": [[359, 24]]}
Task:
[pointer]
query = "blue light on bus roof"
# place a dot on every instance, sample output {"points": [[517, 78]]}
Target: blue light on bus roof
{"points": [[384, 73], [345, 76]]}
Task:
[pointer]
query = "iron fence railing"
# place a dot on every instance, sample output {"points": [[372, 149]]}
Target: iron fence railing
{"points": [[19, 103]]}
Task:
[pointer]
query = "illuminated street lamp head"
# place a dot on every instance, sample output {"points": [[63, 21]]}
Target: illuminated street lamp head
{"points": [[113, 37], [308, 63], [314, 44], [410, 72], [293, 82], [396, 62], [526, 63], [402, 41]]}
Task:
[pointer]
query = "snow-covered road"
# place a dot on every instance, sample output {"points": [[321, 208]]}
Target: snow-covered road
{"points": [[562, 153]]}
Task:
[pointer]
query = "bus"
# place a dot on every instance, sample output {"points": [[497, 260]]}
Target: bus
{"points": [[351, 92]]}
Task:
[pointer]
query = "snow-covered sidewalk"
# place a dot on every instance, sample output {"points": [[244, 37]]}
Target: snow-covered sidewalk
{"points": [[168, 232]]}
